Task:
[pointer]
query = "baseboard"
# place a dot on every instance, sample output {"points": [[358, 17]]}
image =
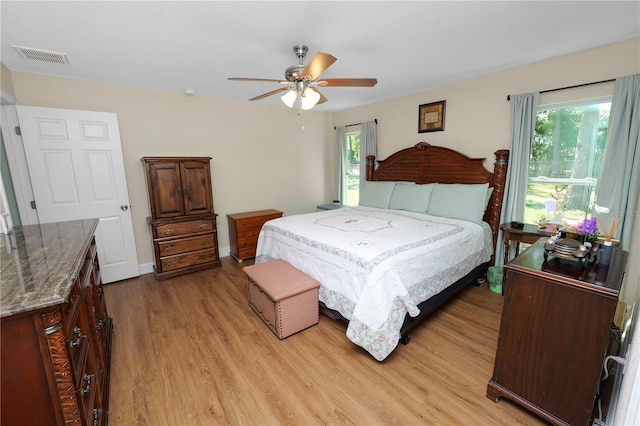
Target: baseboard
{"points": [[146, 268]]}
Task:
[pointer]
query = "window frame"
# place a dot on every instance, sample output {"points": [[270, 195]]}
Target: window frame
{"points": [[568, 99], [347, 134]]}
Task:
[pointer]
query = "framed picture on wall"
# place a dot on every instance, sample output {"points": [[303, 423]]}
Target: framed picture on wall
{"points": [[431, 117]]}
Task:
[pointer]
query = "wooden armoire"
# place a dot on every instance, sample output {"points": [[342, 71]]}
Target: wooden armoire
{"points": [[183, 223]]}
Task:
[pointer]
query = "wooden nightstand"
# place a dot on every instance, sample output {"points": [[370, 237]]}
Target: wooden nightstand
{"points": [[529, 235], [330, 206], [244, 229]]}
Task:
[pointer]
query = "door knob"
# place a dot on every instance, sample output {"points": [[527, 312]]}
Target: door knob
{"points": [[124, 207]]}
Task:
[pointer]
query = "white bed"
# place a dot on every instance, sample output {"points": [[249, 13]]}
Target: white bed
{"points": [[376, 265], [426, 227]]}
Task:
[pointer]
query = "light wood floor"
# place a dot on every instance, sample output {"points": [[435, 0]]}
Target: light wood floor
{"points": [[190, 351]]}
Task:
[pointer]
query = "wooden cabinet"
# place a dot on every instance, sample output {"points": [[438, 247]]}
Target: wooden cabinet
{"points": [[244, 229], [182, 221], [56, 341], [178, 186], [554, 333]]}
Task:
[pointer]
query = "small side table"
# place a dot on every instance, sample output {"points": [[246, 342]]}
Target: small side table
{"points": [[330, 206], [529, 235]]}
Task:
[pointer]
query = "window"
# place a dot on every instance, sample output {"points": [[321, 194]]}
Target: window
{"points": [[565, 161], [352, 171]]}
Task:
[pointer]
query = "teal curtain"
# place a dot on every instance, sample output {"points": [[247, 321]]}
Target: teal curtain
{"points": [[523, 125], [619, 180], [368, 146], [341, 161]]}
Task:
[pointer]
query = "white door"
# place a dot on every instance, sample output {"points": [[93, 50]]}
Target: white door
{"points": [[77, 172]]}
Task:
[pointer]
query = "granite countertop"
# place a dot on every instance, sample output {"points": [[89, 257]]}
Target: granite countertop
{"points": [[39, 263]]}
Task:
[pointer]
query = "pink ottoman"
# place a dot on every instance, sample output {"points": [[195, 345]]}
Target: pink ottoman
{"points": [[284, 297]]}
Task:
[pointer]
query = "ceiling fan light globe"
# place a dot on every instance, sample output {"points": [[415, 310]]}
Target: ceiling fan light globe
{"points": [[309, 99], [289, 98]]}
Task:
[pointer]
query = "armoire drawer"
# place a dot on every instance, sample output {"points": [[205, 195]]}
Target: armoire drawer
{"points": [[185, 245], [188, 259], [182, 228]]}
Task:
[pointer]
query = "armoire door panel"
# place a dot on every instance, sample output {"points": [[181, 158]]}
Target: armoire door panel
{"points": [[167, 197], [196, 187]]}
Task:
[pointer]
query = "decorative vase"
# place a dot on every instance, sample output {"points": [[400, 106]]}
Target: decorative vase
{"points": [[605, 253]]}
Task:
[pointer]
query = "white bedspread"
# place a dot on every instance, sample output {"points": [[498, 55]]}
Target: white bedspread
{"points": [[376, 265]]}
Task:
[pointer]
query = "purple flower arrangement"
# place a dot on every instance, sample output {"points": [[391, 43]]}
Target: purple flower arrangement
{"points": [[588, 227]]}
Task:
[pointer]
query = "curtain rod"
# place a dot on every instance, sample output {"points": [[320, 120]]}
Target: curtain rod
{"points": [[356, 124], [572, 87]]}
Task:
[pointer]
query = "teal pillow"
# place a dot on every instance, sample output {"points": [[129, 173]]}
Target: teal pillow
{"points": [[489, 193], [411, 197], [459, 201], [376, 194]]}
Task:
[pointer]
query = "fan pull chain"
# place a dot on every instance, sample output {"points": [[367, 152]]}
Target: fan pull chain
{"points": [[301, 115]]}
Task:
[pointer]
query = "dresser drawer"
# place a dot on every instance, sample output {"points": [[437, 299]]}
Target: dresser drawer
{"points": [[183, 228], [247, 242], [246, 253], [248, 232], [76, 333], [87, 392], [188, 259], [255, 221], [184, 245]]}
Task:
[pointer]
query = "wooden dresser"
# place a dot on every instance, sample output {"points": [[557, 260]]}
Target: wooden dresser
{"points": [[56, 332], [554, 334], [182, 221], [244, 229]]}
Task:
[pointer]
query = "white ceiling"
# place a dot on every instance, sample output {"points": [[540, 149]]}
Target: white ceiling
{"points": [[409, 46]]}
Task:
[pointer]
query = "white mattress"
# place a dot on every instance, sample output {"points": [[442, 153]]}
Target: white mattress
{"points": [[376, 265]]}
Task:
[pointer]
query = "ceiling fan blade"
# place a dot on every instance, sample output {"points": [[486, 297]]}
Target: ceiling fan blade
{"points": [[318, 64], [273, 92], [268, 80], [322, 98], [348, 82]]}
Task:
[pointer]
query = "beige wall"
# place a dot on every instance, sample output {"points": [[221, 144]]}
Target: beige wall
{"points": [[262, 158], [478, 115], [6, 81], [477, 112]]}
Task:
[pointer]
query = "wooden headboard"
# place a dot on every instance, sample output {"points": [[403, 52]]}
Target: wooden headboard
{"points": [[425, 163]]}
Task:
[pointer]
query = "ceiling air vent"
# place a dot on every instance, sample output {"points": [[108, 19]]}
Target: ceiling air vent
{"points": [[41, 55]]}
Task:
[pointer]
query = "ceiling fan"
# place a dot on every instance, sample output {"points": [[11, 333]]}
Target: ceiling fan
{"points": [[302, 82]]}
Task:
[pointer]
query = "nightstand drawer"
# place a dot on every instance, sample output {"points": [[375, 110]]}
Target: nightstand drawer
{"points": [[178, 246], [183, 228], [188, 259]]}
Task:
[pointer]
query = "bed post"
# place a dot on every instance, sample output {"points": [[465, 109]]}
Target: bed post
{"points": [[499, 182], [371, 163]]}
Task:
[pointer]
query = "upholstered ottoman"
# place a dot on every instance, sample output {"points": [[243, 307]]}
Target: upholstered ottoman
{"points": [[284, 297]]}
